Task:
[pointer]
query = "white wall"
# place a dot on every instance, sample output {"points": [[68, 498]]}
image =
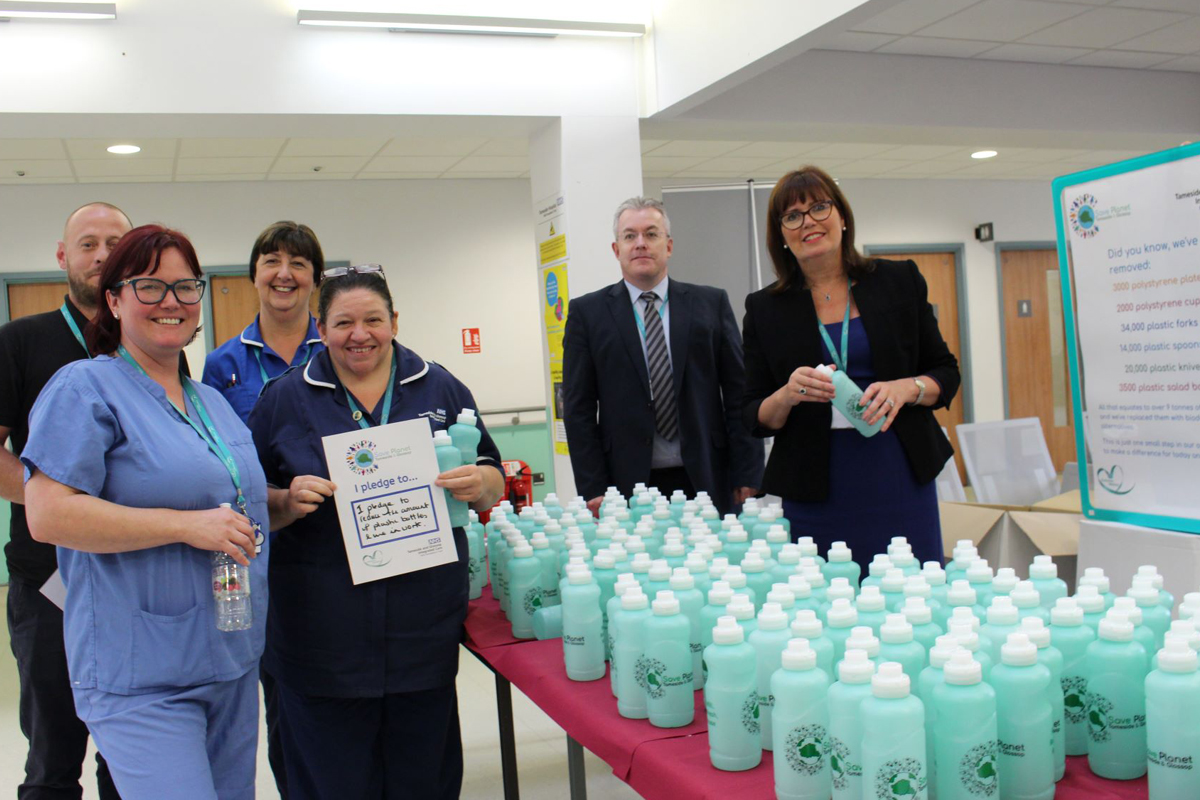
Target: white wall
{"points": [[458, 254], [899, 212]]}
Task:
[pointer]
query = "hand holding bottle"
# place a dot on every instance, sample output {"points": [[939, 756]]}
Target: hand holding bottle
{"points": [[806, 384], [220, 530], [885, 398], [464, 483]]}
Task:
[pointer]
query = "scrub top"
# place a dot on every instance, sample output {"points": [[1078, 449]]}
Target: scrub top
{"points": [[327, 637], [143, 621], [234, 370]]}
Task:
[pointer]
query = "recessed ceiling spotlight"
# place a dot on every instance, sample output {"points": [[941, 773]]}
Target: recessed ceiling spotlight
{"points": [[124, 149], [984, 154]]}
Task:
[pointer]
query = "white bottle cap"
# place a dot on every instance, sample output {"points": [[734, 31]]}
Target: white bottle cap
{"points": [[890, 681], [506, 506], [665, 604], [916, 611], [1094, 576], [527, 513], [934, 574], [442, 439], [678, 496], [814, 576], [807, 624], [879, 566], [1142, 592], [964, 635], [1151, 571], [772, 618], [660, 571], [839, 588], [824, 370], [960, 593], [897, 541], [682, 580], [943, 647], [1131, 609], [720, 594], [1043, 568], [752, 562], [634, 599], [1176, 656], [979, 571], [769, 515], [807, 562], [777, 535], [870, 599], [627, 578], [578, 577], [1066, 613], [1187, 629], [863, 638], [673, 550], [789, 554], [856, 667], [1005, 581], [902, 555], [841, 615], [961, 669], [893, 581], [916, 586], [799, 655], [1018, 651], [634, 544], [1002, 611], [735, 577], [1089, 599], [472, 515], [641, 563], [808, 548], [539, 541], [710, 513], [799, 586], [554, 528], [523, 550], [695, 563], [781, 595], [1116, 627], [964, 615], [1035, 628], [896, 630], [720, 563], [740, 607], [728, 631], [839, 553], [644, 528]]}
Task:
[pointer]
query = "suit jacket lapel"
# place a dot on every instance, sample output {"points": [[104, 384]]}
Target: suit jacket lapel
{"points": [[680, 303], [626, 328]]}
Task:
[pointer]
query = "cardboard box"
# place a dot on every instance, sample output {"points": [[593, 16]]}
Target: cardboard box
{"points": [[1065, 503], [1010, 536]]}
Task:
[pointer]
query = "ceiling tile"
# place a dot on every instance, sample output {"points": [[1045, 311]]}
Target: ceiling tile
{"points": [[650, 144], [236, 176], [928, 46], [127, 179], [1035, 154], [1187, 6], [670, 164], [1185, 64], [517, 146], [230, 148], [97, 148], [391, 176], [1002, 20], [735, 164], [879, 164], [1102, 27], [922, 152], [927, 168], [223, 166], [13, 180], [432, 146], [1182, 38], [517, 164], [851, 150], [327, 163], [483, 175], [912, 15], [705, 148], [856, 41], [32, 148], [1123, 59], [310, 176], [1034, 53], [124, 166], [41, 168], [775, 150], [779, 168], [430, 165], [333, 147], [1103, 156]]}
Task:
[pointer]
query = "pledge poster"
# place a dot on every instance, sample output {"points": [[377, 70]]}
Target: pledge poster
{"points": [[393, 518]]}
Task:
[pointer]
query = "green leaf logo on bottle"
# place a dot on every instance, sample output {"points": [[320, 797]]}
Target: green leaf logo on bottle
{"points": [[977, 769], [806, 747], [532, 600], [650, 672], [704, 669], [839, 755], [852, 405], [750, 713], [900, 779], [1075, 698], [1098, 709]]}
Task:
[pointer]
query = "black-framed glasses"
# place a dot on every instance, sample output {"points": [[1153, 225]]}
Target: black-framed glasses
{"points": [[151, 291], [361, 269], [820, 212]]}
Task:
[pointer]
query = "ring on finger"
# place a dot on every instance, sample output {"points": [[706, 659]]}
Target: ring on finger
{"points": [[891, 403], [803, 390]]}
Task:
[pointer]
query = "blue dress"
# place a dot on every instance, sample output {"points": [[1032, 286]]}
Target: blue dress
{"points": [[873, 494]]}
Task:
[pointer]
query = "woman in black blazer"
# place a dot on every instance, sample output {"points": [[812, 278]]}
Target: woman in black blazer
{"points": [[836, 483]]}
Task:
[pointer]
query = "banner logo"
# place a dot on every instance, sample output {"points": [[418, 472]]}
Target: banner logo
{"points": [[1083, 216], [360, 457]]}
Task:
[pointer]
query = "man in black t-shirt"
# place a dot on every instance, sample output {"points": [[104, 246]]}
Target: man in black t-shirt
{"points": [[32, 349]]}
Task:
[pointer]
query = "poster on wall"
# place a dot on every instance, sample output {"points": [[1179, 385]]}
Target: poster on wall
{"points": [[550, 223], [1129, 258]]}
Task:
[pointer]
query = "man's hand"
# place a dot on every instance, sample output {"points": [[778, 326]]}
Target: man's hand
{"points": [[743, 493], [593, 505]]}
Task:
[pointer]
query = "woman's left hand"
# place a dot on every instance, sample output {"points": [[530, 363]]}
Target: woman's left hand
{"points": [[463, 483], [884, 399]]}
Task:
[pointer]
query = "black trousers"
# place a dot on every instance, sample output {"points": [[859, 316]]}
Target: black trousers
{"points": [[57, 739], [396, 747], [274, 732]]}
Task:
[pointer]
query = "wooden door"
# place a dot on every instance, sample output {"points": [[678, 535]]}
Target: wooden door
{"points": [[1035, 347], [941, 274], [34, 298], [234, 304]]}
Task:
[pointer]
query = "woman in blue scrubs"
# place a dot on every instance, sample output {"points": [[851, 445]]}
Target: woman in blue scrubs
{"points": [[365, 674], [128, 465], [286, 263]]}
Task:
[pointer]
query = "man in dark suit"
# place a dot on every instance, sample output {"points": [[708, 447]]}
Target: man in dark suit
{"points": [[653, 377]]}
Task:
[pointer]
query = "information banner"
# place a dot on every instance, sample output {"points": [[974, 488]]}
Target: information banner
{"points": [[1129, 258], [393, 517], [550, 223]]}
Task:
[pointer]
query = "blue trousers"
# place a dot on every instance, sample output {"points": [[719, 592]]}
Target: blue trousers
{"points": [[193, 743]]}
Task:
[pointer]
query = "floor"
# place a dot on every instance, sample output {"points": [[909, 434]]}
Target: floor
{"points": [[541, 744]]}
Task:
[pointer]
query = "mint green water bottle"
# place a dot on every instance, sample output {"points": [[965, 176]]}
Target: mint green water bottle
{"points": [[476, 571], [767, 518], [979, 576], [807, 626], [1189, 607], [583, 643], [1092, 602], [1094, 576], [1072, 637], [1003, 618], [800, 725], [891, 586], [625, 582], [1166, 598], [781, 594], [1184, 629], [964, 553], [960, 595], [666, 670], [893, 723], [697, 567], [1043, 574], [1141, 632], [919, 615], [846, 696], [935, 576], [525, 590], [718, 600], [738, 582], [930, 678], [1052, 658], [658, 579], [808, 549], [777, 540], [878, 567], [1023, 721], [629, 649], [896, 644], [768, 642], [674, 553], [758, 579], [1028, 602], [1155, 615], [1116, 710], [901, 554], [1172, 736], [448, 458], [466, 436], [691, 602], [862, 638], [846, 397], [1004, 582], [968, 639], [787, 563], [871, 607], [966, 733], [742, 609], [839, 563], [802, 591], [839, 621], [917, 586], [549, 563], [605, 577], [840, 587], [731, 699]]}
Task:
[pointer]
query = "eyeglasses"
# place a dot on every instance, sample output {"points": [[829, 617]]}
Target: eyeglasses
{"points": [[361, 269], [151, 291], [820, 212]]}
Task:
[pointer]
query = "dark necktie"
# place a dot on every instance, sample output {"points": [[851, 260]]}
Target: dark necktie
{"points": [[666, 415]]}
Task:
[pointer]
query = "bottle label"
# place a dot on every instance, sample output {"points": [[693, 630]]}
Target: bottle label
{"points": [[532, 600], [766, 701], [806, 748], [697, 647], [1102, 722], [750, 714], [841, 768], [977, 769], [577, 641], [472, 568], [900, 779], [653, 678], [1012, 750], [1161, 758], [1074, 698]]}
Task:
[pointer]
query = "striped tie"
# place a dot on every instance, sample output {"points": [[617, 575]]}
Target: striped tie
{"points": [[662, 389]]}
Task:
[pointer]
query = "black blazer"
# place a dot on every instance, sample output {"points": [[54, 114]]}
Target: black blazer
{"points": [[780, 333], [608, 411]]}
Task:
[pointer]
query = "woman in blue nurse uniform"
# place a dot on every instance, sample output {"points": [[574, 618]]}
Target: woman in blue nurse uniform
{"points": [[128, 465], [365, 674]]}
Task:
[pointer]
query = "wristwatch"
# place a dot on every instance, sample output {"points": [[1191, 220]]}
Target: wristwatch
{"points": [[920, 391]]}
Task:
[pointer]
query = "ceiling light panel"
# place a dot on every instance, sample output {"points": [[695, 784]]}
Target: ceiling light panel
{"points": [[57, 11], [447, 23]]}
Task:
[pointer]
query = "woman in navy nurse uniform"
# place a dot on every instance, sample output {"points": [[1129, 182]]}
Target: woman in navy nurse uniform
{"points": [[128, 463], [365, 674]]}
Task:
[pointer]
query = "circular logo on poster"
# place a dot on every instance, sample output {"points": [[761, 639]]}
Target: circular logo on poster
{"points": [[1082, 214], [360, 457]]}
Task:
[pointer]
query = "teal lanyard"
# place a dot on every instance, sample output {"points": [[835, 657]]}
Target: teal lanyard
{"points": [[359, 416], [844, 360], [262, 371], [208, 432], [66, 312]]}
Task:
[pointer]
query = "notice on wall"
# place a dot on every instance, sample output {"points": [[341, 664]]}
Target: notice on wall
{"points": [[1129, 251], [550, 223]]}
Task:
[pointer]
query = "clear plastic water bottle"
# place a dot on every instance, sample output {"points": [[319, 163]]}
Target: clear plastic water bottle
{"points": [[231, 592]]}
